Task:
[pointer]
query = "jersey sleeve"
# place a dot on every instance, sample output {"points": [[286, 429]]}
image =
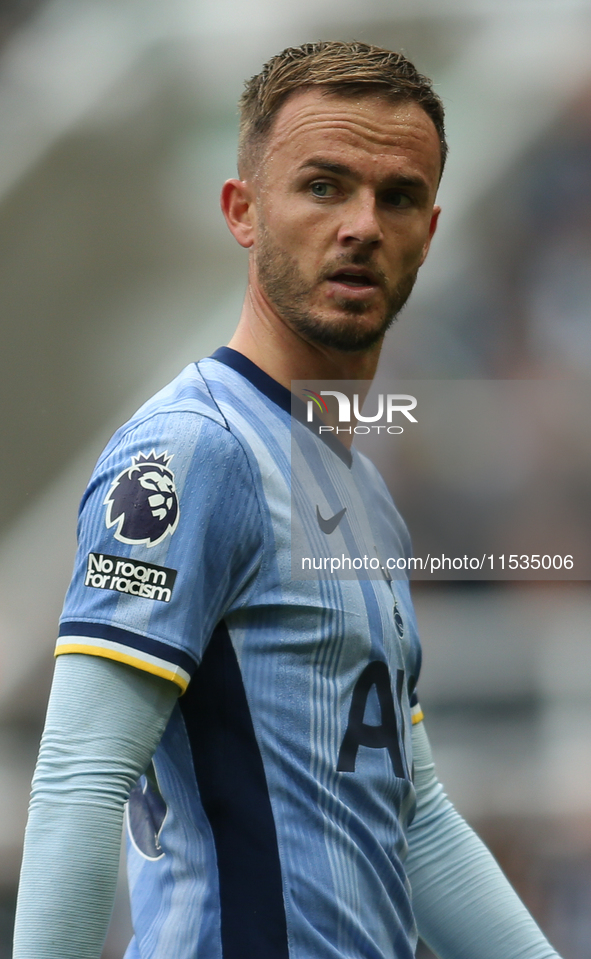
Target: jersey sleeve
{"points": [[416, 713], [169, 540]]}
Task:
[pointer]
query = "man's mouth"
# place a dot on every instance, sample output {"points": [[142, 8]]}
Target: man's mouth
{"points": [[355, 278]]}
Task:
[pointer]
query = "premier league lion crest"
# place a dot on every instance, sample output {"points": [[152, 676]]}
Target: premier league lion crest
{"points": [[142, 502]]}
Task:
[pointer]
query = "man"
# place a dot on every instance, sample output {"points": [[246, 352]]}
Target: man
{"points": [[272, 805]]}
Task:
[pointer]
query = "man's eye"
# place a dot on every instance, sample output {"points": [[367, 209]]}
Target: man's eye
{"points": [[322, 189], [397, 199]]}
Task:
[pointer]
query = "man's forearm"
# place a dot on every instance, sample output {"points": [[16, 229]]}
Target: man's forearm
{"points": [[464, 906], [103, 724], [68, 881]]}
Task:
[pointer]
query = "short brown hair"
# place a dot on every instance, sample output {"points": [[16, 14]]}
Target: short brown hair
{"points": [[342, 68]]}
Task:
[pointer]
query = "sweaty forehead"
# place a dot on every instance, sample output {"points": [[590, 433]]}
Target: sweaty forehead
{"points": [[368, 126]]}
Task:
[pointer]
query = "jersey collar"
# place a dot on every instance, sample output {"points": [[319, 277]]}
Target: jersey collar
{"points": [[277, 394]]}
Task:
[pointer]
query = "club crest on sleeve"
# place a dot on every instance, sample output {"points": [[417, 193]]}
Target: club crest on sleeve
{"points": [[142, 503]]}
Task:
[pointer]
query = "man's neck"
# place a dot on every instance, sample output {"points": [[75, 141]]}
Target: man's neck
{"points": [[287, 356]]}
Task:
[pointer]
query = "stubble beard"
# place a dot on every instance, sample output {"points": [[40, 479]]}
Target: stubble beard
{"points": [[288, 292]]}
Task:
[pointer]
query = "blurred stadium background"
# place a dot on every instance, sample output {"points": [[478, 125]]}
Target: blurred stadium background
{"points": [[117, 127]]}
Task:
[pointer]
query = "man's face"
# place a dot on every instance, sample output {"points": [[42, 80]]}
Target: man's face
{"points": [[344, 214]]}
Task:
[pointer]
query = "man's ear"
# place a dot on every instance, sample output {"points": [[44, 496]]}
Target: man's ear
{"points": [[432, 228], [238, 207]]}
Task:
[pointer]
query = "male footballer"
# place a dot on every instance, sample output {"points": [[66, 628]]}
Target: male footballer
{"points": [[263, 732]]}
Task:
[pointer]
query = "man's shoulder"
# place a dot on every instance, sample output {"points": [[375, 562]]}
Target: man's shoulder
{"points": [[179, 412], [183, 423], [188, 393], [209, 427], [214, 391], [177, 452]]}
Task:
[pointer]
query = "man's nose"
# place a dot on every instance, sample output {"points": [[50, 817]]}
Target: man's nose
{"points": [[361, 223]]}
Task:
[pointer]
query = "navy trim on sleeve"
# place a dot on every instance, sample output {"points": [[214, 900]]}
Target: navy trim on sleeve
{"points": [[143, 644]]}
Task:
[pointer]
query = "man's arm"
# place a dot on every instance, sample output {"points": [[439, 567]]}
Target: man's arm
{"points": [[464, 905], [104, 722]]}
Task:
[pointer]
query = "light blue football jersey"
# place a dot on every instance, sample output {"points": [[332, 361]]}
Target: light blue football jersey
{"points": [[271, 822]]}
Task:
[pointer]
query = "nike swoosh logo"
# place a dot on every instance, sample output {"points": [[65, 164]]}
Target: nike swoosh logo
{"points": [[329, 525]]}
